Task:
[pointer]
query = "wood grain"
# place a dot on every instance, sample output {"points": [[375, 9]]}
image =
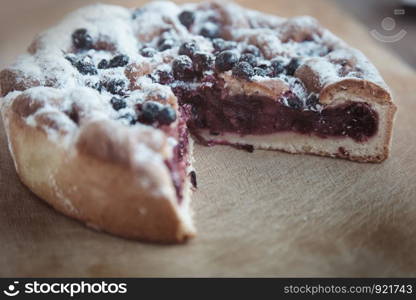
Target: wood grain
{"points": [[259, 214]]}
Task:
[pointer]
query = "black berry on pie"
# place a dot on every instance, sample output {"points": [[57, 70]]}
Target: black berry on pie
{"points": [[81, 39], [187, 18], [226, 60], [118, 61], [292, 66], [252, 50], [188, 49], [243, 70], [118, 103], [148, 51], [103, 64], [249, 58], [166, 115], [183, 68], [210, 30], [202, 62], [85, 67], [277, 67], [260, 72], [220, 45], [166, 42], [116, 86]]}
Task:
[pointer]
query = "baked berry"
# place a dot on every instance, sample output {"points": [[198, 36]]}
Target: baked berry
{"points": [[203, 62], [71, 58], [150, 111], [116, 86], [292, 66], [260, 72], [277, 67], [250, 58], [165, 44], [243, 70], [182, 68], [119, 61], [166, 116], [192, 176], [252, 50], [186, 18], [85, 67], [293, 101], [148, 51], [210, 30], [312, 100], [103, 64], [81, 39], [163, 77], [128, 118], [220, 45], [118, 103], [188, 49], [93, 82], [226, 60]]}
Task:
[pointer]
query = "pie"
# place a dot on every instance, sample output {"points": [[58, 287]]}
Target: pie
{"points": [[101, 112]]}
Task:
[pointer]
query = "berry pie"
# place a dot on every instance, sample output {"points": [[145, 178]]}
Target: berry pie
{"points": [[101, 112]]}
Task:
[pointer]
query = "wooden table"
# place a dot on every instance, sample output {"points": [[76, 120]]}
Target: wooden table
{"points": [[260, 214]]}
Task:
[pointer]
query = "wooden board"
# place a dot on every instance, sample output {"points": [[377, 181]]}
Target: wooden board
{"points": [[260, 214]]}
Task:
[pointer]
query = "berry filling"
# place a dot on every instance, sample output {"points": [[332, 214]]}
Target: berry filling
{"points": [[214, 110], [179, 163]]}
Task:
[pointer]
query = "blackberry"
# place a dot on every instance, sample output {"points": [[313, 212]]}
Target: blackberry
{"points": [[226, 60], [186, 18], [103, 64], [118, 103], [260, 72], [86, 68], [116, 86], [81, 39], [94, 83], [119, 61], [188, 49], [221, 45], [294, 102], [166, 116], [292, 66], [252, 50], [203, 62], [128, 118], [312, 100], [210, 30], [192, 176], [250, 58], [148, 51], [150, 111], [71, 58], [277, 67], [164, 77], [165, 44], [243, 70], [182, 68]]}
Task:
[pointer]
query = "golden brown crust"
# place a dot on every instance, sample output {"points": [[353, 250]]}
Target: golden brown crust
{"points": [[102, 193], [368, 90]]}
